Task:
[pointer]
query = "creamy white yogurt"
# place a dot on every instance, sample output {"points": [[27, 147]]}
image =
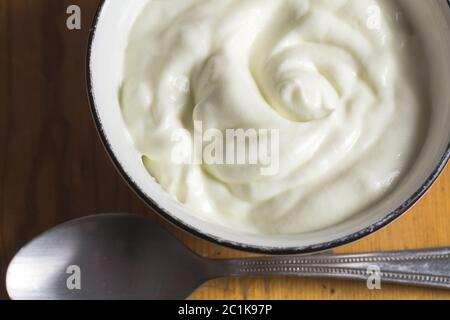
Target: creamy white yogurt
{"points": [[344, 82]]}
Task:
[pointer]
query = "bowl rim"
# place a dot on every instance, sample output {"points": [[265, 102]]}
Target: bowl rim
{"points": [[316, 248]]}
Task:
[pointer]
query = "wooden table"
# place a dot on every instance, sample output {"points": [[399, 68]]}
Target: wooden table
{"points": [[53, 167]]}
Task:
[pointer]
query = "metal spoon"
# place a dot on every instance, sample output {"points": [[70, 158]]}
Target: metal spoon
{"points": [[120, 256]]}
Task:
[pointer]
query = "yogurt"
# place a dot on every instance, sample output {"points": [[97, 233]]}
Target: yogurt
{"points": [[344, 82]]}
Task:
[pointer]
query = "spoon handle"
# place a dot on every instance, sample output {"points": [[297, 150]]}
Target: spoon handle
{"points": [[429, 268]]}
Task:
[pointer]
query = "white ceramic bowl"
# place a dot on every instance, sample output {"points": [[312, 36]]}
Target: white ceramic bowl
{"points": [[105, 63]]}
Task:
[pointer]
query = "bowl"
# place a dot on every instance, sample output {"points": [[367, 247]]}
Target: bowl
{"points": [[107, 42]]}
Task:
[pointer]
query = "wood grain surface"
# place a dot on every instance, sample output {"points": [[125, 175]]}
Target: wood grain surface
{"points": [[53, 167]]}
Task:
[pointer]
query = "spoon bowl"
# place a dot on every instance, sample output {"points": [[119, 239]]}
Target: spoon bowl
{"points": [[114, 256]]}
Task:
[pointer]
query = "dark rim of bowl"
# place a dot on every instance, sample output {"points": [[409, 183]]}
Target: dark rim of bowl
{"points": [[230, 244]]}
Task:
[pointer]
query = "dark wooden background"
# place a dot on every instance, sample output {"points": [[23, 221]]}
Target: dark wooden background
{"points": [[53, 167]]}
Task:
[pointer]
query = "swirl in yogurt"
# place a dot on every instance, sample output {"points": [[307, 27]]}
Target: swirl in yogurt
{"points": [[344, 82]]}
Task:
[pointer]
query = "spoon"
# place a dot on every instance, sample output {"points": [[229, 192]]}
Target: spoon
{"points": [[121, 256]]}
